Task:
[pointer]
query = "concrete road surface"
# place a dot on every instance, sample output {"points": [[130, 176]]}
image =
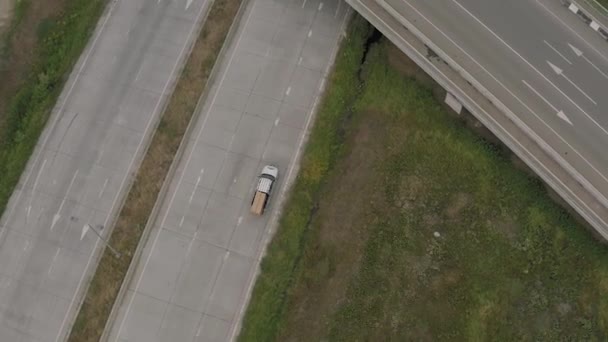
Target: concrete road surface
{"points": [[84, 162], [195, 272], [538, 60]]}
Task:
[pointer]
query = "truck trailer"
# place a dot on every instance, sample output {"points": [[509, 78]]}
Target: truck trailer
{"points": [[262, 192]]}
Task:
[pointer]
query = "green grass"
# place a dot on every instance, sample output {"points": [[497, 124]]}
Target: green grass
{"points": [[509, 264], [104, 288], [603, 3], [264, 315], [60, 44]]}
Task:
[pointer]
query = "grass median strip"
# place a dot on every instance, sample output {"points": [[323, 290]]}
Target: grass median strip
{"points": [[40, 47], [134, 215], [420, 229]]}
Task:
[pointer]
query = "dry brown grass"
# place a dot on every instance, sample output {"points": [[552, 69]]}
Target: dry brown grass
{"points": [[133, 217], [368, 264]]}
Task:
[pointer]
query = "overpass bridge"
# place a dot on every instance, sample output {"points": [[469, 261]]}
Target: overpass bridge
{"points": [[531, 71]]}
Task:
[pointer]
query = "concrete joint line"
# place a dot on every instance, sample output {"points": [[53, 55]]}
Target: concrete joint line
{"points": [[599, 26], [552, 180], [521, 152], [290, 178], [503, 108], [152, 219]]}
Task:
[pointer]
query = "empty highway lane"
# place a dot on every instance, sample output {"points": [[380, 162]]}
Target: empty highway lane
{"points": [[84, 162], [199, 264]]}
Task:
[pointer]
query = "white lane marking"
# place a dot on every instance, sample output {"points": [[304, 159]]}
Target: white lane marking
{"points": [[240, 220], [288, 91], [154, 242], [99, 156], [572, 30], [304, 3], [213, 288], [300, 61], [557, 52], [551, 152], [55, 219], [181, 222], [539, 95], [563, 116], [320, 6], [309, 33], [511, 93], [53, 261], [65, 197], [188, 3], [517, 142], [84, 231], [117, 196], [507, 90], [338, 8], [322, 85], [560, 113], [254, 270], [234, 180], [531, 66], [276, 122], [29, 207], [579, 53], [139, 71], [57, 117], [198, 180], [103, 188], [560, 72]]}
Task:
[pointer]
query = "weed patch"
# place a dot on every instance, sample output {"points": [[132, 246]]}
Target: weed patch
{"points": [[265, 314], [35, 64], [422, 230]]}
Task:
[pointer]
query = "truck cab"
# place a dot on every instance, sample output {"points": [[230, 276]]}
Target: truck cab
{"points": [[263, 189]]}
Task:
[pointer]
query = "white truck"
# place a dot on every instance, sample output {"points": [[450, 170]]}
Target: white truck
{"points": [[262, 192]]}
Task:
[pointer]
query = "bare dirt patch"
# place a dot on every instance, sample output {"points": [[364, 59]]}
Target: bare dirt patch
{"points": [[400, 281], [339, 233], [458, 202]]}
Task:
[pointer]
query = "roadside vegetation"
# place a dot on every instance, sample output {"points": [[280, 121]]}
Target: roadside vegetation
{"points": [[110, 273], [39, 48], [405, 225]]}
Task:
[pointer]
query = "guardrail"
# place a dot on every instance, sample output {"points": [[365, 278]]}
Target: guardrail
{"points": [[589, 11], [561, 177]]}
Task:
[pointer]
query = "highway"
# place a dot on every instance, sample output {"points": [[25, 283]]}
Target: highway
{"points": [[84, 162], [537, 61], [199, 264]]}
